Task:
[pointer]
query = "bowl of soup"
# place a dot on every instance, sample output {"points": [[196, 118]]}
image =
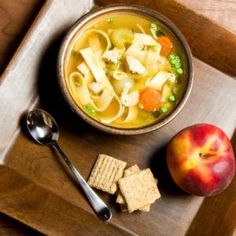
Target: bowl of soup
{"points": [[125, 69]]}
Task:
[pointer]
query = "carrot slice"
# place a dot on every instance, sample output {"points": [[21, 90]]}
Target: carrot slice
{"points": [[166, 45], [150, 99]]}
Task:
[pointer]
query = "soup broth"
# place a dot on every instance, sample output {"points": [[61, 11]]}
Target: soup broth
{"points": [[126, 71]]}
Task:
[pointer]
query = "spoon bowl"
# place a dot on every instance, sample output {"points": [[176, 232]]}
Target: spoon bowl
{"points": [[42, 127]]}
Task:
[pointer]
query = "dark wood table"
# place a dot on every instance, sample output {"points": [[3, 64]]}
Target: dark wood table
{"points": [[16, 17]]}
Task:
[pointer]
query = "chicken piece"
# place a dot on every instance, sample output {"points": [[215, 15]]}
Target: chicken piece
{"points": [[159, 80], [112, 56], [96, 87], [129, 99], [144, 39], [135, 66]]}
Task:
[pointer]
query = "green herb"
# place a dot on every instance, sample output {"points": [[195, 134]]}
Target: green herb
{"points": [[173, 70], [113, 66], [171, 98], [155, 29], [155, 48], [120, 57], [106, 71], [90, 109], [110, 20], [164, 109], [74, 53], [153, 26], [159, 33], [175, 90], [144, 114], [77, 84], [76, 79], [156, 114]]}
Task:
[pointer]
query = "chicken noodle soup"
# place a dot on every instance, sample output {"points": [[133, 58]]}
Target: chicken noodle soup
{"points": [[126, 71]]}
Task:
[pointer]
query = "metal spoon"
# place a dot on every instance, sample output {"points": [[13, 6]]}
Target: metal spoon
{"points": [[44, 129]]}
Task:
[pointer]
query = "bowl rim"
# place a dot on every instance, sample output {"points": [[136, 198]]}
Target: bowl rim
{"points": [[136, 9]]}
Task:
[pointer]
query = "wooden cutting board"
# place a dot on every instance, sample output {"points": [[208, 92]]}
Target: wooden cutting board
{"points": [[35, 189]]}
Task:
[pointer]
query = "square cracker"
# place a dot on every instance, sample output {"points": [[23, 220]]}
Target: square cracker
{"points": [[139, 189], [147, 207], [106, 172], [133, 169]]}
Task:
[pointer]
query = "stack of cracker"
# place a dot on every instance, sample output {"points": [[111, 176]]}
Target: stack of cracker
{"points": [[137, 189]]}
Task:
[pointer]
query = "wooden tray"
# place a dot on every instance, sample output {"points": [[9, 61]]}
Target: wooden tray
{"points": [[35, 190]]}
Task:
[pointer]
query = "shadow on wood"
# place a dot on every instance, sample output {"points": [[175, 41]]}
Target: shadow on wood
{"points": [[160, 170], [51, 98]]}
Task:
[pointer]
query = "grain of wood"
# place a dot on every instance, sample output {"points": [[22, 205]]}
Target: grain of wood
{"points": [[33, 205], [16, 17], [9, 226], [221, 11]]}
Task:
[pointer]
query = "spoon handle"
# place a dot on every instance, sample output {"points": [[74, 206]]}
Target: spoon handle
{"points": [[100, 208]]}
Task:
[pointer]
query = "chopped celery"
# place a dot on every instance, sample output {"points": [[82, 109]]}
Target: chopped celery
{"points": [[90, 109], [155, 48], [121, 36]]}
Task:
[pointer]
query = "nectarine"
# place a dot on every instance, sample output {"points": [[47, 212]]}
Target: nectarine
{"points": [[200, 159]]}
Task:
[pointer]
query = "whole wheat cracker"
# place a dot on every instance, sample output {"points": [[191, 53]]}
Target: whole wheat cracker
{"points": [[133, 169], [139, 189], [106, 172]]}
